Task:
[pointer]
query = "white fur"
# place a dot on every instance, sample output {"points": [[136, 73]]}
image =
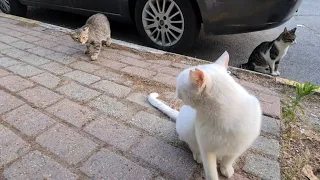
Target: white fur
{"points": [[283, 49], [227, 118]]}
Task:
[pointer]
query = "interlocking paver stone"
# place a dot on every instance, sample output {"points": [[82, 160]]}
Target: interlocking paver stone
{"points": [[40, 51], [40, 96], [115, 77], [4, 46], [109, 165], [82, 77], [270, 125], [262, 167], [25, 70], [174, 161], [78, 92], [34, 60], [113, 132], [37, 166], [3, 73], [11, 146], [6, 62], [46, 79], [28, 120], [155, 125], [139, 98], [14, 52], [165, 79], [15, 83], [29, 38], [67, 144], [61, 58], [72, 112], [267, 146], [22, 45], [7, 39], [8, 102], [84, 66], [112, 107], [56, 68], [64, 49], [113, 89], [138, 72]]}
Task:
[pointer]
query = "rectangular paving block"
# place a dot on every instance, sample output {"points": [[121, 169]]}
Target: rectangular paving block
{"points": [[14, 52], [29, 38], [7, 39], [165, 79], [165, 69], [4, 46], [3, 73], [111, 64], [8, 102], [135, 62], [271, 126], [46, 79], [47, 44], [28, 120], [34, 60], [78, 92], [22, 45], [112, 107], [181, 66], [37, 166], [109, 165], [136, 71], [11, 146], [139, 98], [40, 96], [262, 167], [161, 62], [15, 83], [115, 77], [85, 66], [112, 89], [7, 62], [155, 125], [170, 160], [56, 68], [267, 146], [72, 112], [67, 144], [25, 70], [40, 51], [64, 49], [61, 58], [113, 133], [82, 77]]}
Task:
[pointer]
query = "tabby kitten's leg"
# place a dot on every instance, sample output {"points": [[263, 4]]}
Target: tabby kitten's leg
{"points": [[276, 68], [96, 50], [87, 51], [106, 42]]}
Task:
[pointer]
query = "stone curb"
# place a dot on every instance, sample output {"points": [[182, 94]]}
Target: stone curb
{"points": [[140, 48]]}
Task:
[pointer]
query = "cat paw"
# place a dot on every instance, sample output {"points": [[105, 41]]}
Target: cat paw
{"points": [[86, 52], [227, 171], [94, 57], [274, 74], [197, 158], [278, 73]]}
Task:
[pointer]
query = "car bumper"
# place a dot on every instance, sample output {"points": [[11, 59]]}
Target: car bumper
{"points": [[240, 16]]}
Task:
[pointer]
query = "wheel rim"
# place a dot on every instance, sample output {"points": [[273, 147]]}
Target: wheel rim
{"points": [[5, 6], [163, 22]]}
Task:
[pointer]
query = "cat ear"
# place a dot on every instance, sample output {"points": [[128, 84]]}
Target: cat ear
{"points": [[196, 77], [293, 30], [285, 30], [223, 60], [86, 28]]}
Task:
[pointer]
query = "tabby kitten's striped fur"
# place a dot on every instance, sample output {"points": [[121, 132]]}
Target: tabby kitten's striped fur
{"points": [[265, 58], [95, 33]]}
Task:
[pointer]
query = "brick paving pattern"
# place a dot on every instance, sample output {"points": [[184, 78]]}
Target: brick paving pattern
{"points": [[65, 117]]}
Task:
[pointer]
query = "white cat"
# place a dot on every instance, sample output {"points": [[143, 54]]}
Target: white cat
{"points": [[219, 119]]}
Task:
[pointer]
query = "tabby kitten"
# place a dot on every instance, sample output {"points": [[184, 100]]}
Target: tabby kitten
{"points": [[95, 33], [265, 58]]}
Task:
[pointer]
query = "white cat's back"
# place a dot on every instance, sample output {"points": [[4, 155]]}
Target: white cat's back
{"points": [[185, 124]]}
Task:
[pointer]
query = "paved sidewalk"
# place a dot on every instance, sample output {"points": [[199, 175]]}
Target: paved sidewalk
{"points": [[65, 117]]}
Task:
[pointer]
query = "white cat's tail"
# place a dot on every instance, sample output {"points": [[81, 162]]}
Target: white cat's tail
{"points": [[172, 113]]}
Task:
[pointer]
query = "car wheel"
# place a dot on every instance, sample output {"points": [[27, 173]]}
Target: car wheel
{"points": [[170, 25], [13, 7]]}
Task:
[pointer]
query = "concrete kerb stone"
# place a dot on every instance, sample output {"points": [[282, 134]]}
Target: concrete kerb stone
{"points": [[148, 49]]}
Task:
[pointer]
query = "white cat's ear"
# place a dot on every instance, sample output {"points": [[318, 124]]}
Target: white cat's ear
{"points": [[86, 28], [196, 77], [223, 60]]}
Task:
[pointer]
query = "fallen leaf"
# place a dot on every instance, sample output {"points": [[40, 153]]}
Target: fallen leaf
{"points": [[307, 171]]}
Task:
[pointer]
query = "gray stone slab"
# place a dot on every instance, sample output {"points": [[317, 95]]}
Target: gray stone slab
{"points": [[267, 146], [82, 77], [8, 102], [270, 125], [25, 70], [15, 83], [7, 62], [112, 89], [78, 92], [56, 68], [46, 79]]}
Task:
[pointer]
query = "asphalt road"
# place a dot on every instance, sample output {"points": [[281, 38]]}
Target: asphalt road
{"points": [[302, 62]]}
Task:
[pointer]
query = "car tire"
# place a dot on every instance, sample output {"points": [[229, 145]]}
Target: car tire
{"points": [[179, 40], [17, 9]]}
